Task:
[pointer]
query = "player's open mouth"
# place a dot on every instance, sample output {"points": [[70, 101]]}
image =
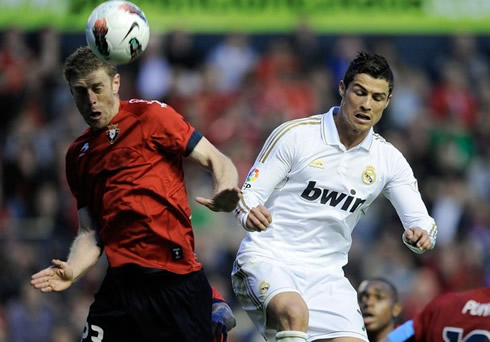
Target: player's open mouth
{"points": [[368, 318], [95, 115], [362, 117]]}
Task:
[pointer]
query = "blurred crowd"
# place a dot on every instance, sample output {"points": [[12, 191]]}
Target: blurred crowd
{"points": [[235, 89]]}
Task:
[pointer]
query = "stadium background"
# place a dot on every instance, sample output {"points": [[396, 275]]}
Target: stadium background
{"points": [[236, 69]]}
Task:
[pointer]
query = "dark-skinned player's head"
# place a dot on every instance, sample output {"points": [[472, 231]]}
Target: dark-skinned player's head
{"points": [[380, 306]]}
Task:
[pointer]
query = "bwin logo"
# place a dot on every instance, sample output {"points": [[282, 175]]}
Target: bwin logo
{"points": [[333, 198]]}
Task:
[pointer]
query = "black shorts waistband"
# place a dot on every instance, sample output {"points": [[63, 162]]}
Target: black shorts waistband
{"points": [[131, 274]]}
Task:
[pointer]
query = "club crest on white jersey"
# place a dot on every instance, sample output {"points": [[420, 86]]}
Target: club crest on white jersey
{"points": [[369, 176]]}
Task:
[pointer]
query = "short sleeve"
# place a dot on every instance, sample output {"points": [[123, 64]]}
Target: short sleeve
{"points": [[169, 131]]}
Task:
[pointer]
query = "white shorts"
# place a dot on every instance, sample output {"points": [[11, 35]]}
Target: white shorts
{"points": [[331, 299]]}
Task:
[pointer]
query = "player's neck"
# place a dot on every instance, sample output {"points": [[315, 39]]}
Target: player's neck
{"points": [[379, 335], [349, 136], [116, 106]]}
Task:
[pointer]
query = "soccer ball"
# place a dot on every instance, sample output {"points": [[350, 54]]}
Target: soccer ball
{"points": [[117, 32]]}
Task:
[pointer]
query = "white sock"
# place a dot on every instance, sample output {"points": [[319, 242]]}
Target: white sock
{"points": [[291, 336]]}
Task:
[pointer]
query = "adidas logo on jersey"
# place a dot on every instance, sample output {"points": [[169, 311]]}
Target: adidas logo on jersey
{"points": [[83, 150], [317, 163], [332, 198]]}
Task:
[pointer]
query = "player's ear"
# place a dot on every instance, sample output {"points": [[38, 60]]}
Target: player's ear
{"points": [[116, 83], [388, 101], [341, 88], [396, 310], [70, 87]]}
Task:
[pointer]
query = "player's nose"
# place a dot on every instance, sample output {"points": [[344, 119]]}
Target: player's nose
{"points": [[91, 97], [366, 104]]}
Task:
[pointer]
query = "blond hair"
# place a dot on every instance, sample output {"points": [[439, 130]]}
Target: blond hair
{"points": [[83, 62]]}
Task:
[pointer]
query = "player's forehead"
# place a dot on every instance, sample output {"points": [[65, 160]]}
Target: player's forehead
{"points": [[371, 84], [98, 76], [374, 286]]}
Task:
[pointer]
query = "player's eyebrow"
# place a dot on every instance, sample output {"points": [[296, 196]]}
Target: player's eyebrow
{"points": [[87, 86], [96, 84], [383, 94]]}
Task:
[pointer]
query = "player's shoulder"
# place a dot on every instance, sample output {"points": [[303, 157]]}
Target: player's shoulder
{"points": [[478, 294], [383, 146], [293, 134], [379, 140], [141, 107], [448, 299], [152, 114], [299, 126], [484, 291]]}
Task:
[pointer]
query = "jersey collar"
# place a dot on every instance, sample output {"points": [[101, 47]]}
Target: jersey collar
{"points": [[331, 135]]}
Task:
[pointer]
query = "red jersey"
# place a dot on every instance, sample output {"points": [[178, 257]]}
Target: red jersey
{"points": [[455, 317], [130, 177]]}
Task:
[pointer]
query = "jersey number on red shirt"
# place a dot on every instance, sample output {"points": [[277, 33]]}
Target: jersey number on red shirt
{"points": [[452, 334]]}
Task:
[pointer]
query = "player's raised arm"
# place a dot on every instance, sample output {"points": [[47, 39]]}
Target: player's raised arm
{"points": [[269, 170], [225, 175], [84, 253], [420, 228]]}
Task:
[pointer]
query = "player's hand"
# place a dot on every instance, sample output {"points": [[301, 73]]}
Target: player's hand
{"points": [[225, 200], [417, 237], [258, 219], [223, 321], [57, 277]]}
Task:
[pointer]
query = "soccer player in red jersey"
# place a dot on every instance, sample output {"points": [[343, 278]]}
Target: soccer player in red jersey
{"points": [[126, 174], [451, 317]]}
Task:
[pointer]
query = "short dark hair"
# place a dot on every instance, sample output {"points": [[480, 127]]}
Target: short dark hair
{"points": [[83, 62], [394, 291], [372, 64]]}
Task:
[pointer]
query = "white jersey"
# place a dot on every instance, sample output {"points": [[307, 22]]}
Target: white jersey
{"points": [[317, 191]]}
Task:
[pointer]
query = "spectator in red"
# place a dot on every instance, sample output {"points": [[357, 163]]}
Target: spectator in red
{"points": [[451, 99]]}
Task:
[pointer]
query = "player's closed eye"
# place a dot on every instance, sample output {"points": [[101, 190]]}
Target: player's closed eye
{"points": [[79, 90], [360, 93]]}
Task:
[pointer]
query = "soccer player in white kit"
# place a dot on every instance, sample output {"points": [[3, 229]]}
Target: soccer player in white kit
{"points": [[309, 186]]}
